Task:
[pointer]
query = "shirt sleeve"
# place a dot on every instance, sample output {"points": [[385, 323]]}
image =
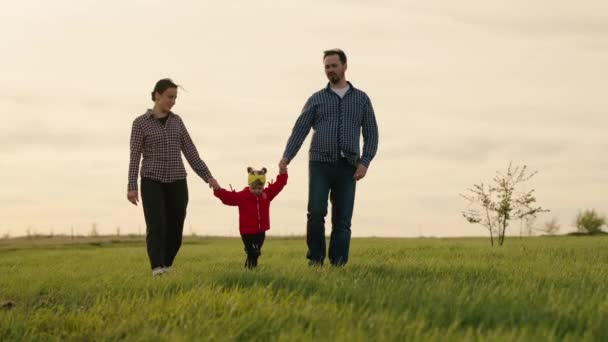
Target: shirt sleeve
{"points": [[370, 134], [192, 156], [136, 147], [300, 130], [273, 189], [227, 197]]}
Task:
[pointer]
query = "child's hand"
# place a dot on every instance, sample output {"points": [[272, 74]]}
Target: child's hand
{"points": [[282, 169]]}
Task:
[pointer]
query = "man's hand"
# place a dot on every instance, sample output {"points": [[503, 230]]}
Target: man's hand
{"points": [[133, 196], [214, 184], [283, 165], [360, 172]]}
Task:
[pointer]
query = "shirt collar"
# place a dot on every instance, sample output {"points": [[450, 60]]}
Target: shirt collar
{"points": [[350, 86], [151, 115]]}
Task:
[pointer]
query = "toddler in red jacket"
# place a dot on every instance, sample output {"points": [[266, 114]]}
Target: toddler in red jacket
{"points": [[254, 209]]}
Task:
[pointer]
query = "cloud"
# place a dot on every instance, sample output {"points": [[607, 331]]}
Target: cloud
{"points": [[39, 136], [59, 97], [531, 24], [537, 18], [478, 150], [541, 116]]}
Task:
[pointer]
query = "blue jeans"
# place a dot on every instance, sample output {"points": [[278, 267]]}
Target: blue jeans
{"points": [[335, 180]]}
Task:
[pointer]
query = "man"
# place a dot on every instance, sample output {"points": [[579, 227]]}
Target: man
{"points": [[337, 114]]}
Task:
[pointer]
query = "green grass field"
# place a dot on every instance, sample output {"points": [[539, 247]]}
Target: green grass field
{"points": [[545, 288]]}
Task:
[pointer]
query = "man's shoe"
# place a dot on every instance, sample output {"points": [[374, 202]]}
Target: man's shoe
{"points": [[315, 263]]}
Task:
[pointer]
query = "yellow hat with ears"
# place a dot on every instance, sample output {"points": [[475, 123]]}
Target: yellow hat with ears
{"points": [[256, 176]]}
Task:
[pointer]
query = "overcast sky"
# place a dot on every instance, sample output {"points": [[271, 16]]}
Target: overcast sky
{"points": [[459, 89]]}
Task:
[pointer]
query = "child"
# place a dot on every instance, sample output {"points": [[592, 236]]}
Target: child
{"points": [[254, 210]]}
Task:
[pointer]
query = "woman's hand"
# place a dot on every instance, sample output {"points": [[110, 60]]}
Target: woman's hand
{"points": [[214, 184], [133, 196]]}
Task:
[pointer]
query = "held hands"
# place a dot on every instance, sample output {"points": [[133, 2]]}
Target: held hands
{"points": [[283, 165], [213, 184], [360, 172], [133, 196]]}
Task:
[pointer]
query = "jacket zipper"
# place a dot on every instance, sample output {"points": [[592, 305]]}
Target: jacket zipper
{"points": [[257, 200]]}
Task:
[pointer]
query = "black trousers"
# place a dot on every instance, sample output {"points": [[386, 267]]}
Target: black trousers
{"points": [[165, 211], [253, 248]]}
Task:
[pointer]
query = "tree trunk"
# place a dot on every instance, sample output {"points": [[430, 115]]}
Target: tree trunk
{"points": [[503, 229]]}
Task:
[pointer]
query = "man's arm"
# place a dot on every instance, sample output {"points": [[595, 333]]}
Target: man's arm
{"points": [[300, 131], [370, 134]]}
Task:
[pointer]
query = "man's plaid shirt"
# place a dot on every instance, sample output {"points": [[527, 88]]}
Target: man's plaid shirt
{"points": [[161, 147], [338, 124]]}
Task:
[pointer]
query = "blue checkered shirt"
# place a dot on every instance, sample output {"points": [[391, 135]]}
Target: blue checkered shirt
{"points": [[337, 125]]}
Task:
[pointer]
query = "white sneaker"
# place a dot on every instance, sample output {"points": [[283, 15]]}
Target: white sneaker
{"points": [[166, 269], [156, 271]]}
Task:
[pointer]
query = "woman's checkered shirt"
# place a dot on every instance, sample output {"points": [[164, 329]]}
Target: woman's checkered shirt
{"points": [[161, 147]]}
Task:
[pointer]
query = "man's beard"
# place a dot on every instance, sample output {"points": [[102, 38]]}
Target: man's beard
{"points": [[334, 78]]}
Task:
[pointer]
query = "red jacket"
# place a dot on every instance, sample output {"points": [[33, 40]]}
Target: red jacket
{"points": [[254, 211]]}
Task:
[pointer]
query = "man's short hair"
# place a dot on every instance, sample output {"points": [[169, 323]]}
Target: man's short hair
{"points": [[338, 52]]}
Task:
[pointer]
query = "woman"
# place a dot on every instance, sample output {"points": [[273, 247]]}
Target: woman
{"points": [[160, 136]]}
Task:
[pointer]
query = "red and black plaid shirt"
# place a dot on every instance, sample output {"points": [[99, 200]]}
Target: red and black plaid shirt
{"points": [[161, 146]]}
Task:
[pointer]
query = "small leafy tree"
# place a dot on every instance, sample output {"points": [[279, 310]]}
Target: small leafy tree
{"points": [[527, 225], [94, 232], [590, 222], [550, 227], [192, 232], [496, 204]]}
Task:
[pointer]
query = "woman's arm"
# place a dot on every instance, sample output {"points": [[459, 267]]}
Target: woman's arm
{"points": [[136, 147], [193, 158]]}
